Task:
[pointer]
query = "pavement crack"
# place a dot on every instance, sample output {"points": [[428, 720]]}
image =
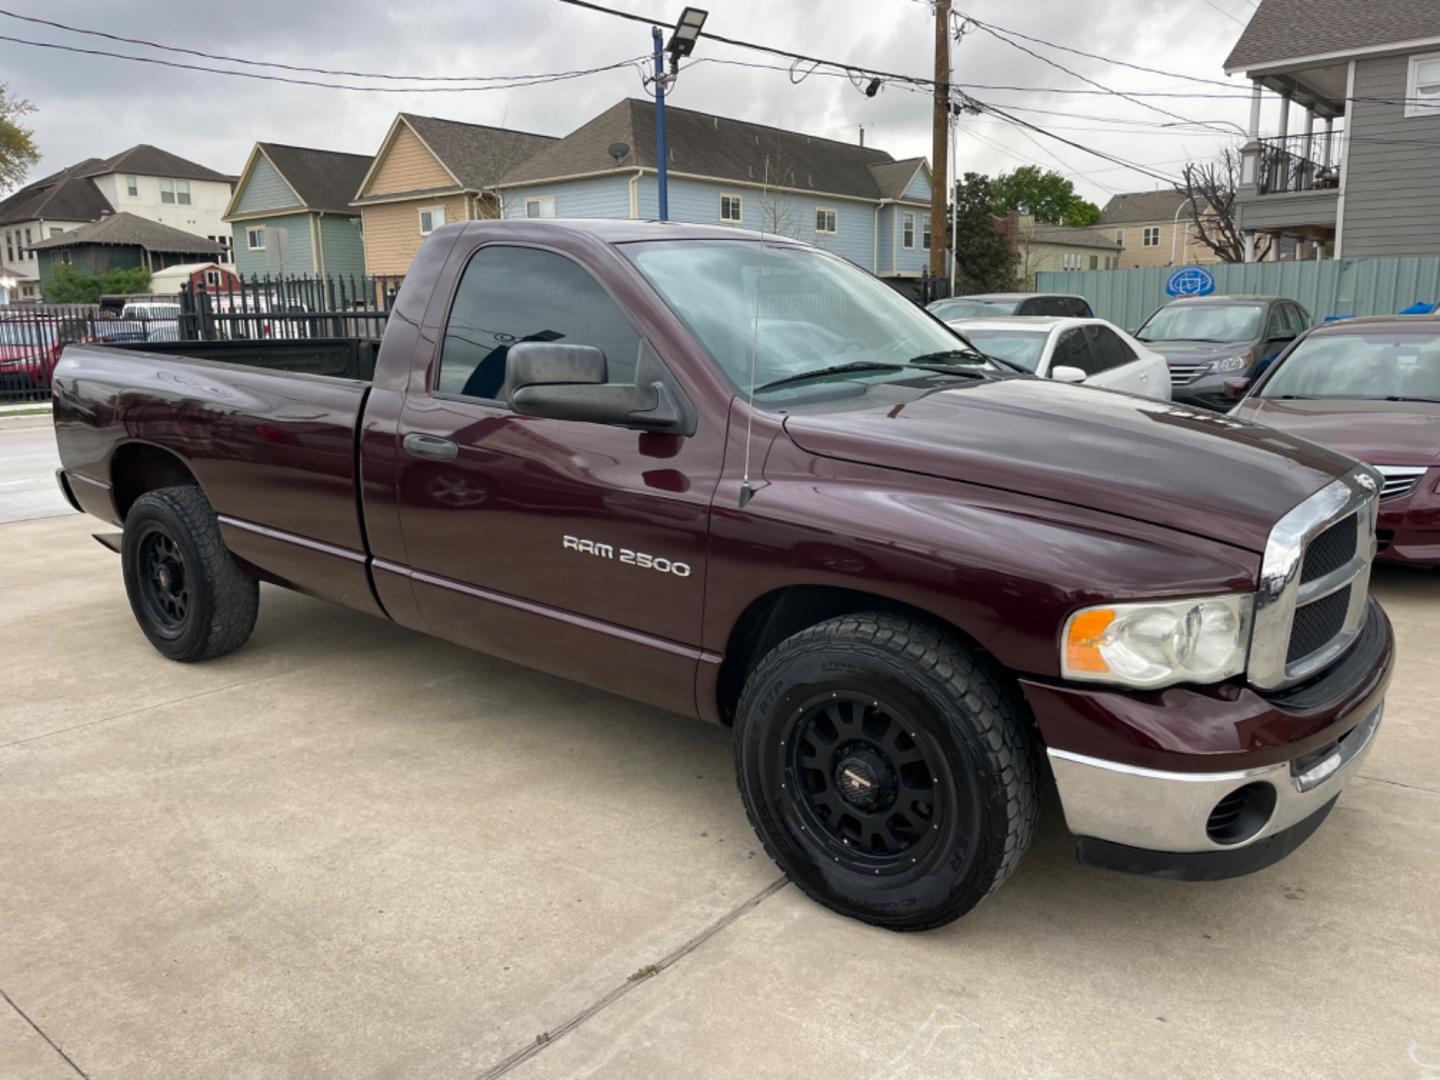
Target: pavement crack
{"points": [[650, 971], [53, 1045], [1399, 784]]}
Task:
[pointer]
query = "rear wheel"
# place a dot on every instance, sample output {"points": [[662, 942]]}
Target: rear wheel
{"points": [[887, 769], [190, 597]]}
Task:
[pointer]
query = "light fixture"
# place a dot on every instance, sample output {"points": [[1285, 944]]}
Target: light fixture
{"points": [[686, 32], [873, 88]]}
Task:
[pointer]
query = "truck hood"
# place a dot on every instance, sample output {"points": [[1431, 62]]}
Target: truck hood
{"points": [[1197, 352], [1196, 471], [1378, 432]]}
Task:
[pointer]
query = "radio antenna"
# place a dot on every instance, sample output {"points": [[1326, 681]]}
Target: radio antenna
{"points": [[746, 491]]}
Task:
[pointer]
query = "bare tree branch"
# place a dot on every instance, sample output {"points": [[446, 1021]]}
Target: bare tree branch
{"points": [[1210, 187]]}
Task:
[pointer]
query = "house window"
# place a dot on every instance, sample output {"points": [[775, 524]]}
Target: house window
{"points": [[541, 206], [925, 231], [255, 238], [1422, 97], [1120, 237], [1094, 262], [62, 255], [175, 191], [730, 208], [1151, 236], [9, 247], [132, 187], [907, 230], [431, 218], [212, 279], [824, 220]]}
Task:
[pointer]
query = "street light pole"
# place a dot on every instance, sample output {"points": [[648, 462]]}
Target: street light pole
{"points": [[1175, 226], [660, 158]]}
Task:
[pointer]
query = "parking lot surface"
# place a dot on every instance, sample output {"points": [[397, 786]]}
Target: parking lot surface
{"points": [[350, 851]]}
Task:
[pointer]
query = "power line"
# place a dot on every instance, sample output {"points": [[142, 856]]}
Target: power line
{"points": [[1222, 11]]}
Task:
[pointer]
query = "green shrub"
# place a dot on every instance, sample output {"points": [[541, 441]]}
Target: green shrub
{"points": [[66, 285]]}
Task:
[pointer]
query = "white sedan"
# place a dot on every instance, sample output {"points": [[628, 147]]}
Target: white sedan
{"points": [[1089, 351]]}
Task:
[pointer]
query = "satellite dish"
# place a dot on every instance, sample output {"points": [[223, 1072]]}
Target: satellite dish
{"points": [[618, 151]]}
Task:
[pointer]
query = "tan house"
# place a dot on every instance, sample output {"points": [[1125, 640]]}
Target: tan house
{"points": [[1039, 247], [429, 172], [1154, 229]]}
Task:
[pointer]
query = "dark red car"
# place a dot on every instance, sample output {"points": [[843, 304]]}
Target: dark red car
{"points": [[30, 347], [1369, 388]]}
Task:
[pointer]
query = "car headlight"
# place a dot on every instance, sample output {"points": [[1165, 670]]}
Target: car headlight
{"points": [[1157, 644], [1230, 363]]}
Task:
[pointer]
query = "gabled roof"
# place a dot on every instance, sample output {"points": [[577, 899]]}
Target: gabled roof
{"points": [[1136, 206], [147, 160], [703, 144], [1281, 30], [66, 195], [128, 230], [893, 177], [321, 179], [1072, 236], [475, 155]]}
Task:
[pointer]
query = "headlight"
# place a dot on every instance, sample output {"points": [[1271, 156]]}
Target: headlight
{"points": [[1158, 644], [1230, 363]]}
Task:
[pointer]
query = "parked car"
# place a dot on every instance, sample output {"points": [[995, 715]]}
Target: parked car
{"points": [[1209, 339], [145, 320], [995, 305], [30, 346], [1369, 388], [1089, 351], [903, 575]]}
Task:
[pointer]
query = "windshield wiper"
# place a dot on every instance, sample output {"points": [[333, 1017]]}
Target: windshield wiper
{"points": [[968, 354], [1402, 397], [833, 369]]}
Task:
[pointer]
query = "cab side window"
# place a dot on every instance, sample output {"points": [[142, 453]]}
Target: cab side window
{"points": [[1108, 349], [1073, 351], [512, 294]]}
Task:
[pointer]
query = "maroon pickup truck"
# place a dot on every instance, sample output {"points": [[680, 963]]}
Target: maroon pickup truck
{"points": [[737, 478]]}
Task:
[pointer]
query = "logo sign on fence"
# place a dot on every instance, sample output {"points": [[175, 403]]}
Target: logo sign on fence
{"points": [[1190, 281]]}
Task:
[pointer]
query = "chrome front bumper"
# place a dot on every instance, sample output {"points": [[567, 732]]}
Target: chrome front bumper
{"points": [[1160, 811]]}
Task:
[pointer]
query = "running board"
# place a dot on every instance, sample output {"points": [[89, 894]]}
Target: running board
{"points": [[109, 540]]}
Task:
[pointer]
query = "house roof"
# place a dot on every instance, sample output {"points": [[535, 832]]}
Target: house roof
{"points": [[704, 144], [1136, 206], [476, 154], [1281, 30], [323, 179], [147, 160], [1072, 236], [893, 177], [66, 195], [132, 231]]}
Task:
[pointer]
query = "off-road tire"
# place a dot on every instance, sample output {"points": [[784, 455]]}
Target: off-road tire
{"points": [[177, 527], [970, 727]]}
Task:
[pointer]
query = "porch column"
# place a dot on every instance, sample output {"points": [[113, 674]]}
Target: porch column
{"points": [[1249, 247], [1284, 115], [1250, 152], [1256, 97], [1329, 140]]}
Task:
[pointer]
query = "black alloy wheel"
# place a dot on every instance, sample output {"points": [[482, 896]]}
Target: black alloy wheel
{"points": [[164, 586]]}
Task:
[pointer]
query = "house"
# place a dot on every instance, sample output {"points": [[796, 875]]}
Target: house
{"points": [[1354, 172], [10, 283], [855, 200], [212, 276], [304, 193], [122, 241], [1039, 247], [144, 181], [1153, 228], [430, 171]]}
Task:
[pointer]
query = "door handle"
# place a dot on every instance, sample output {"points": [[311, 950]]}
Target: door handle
{"points": [[430, 447]]}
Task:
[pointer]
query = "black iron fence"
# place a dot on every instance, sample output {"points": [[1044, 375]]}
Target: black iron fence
{"points": [[1299, 163], [32, 336]]}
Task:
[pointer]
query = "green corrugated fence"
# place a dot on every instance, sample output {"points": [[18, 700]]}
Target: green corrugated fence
{"points": [[1329, 287]]}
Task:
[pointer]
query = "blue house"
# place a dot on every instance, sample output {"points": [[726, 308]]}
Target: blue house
{"points": [[856, 201], [305, 194]]}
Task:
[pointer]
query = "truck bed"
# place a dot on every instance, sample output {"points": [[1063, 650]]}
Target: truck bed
{"points": [[340, 358]]}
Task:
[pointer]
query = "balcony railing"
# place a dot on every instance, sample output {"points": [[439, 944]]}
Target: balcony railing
{"points": [[1300, 163]]}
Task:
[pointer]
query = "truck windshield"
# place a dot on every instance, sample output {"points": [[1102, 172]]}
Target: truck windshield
{"points": [[1377, 364], [1020, 347], [1203, 322], [799, 309]]}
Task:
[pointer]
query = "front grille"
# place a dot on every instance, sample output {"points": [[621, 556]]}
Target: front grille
{"points": [[1331, 550], [1180, 374], [1399, 480], [1317, 624]]}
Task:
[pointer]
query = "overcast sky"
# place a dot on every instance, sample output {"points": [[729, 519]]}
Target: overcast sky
{"points": [[96, 106]]}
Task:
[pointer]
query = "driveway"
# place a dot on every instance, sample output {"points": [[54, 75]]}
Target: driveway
{"points": [[349, 851], [28, 460]]}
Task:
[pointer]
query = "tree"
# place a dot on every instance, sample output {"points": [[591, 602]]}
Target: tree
{"points": [[1210, 188], [66, 285], [984, 260], [1048, 197], [17, 143]]}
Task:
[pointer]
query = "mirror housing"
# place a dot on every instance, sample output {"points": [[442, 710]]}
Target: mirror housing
{"points": [[1068, 374], [1236, 385], [570, 382]]}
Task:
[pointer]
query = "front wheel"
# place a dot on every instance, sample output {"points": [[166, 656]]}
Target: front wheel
{"points": [[886, 769], [189, 595]]}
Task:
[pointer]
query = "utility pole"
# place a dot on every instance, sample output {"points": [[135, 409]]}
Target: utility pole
{"points": [[662, 171], [940, 131]]}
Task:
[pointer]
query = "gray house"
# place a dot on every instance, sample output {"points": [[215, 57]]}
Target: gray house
{"points": [[1356, 174]]}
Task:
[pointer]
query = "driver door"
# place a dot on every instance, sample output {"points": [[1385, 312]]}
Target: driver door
{"points": [[575, 547]]}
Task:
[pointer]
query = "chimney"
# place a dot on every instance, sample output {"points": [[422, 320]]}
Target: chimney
{"points": [[862, 134]]}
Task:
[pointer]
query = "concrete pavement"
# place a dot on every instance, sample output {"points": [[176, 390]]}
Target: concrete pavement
{"points": [[349, 851], [28, 460]]}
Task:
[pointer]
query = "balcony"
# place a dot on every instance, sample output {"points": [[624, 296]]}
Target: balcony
{"points": [[1296, 163], [1290, 184]]}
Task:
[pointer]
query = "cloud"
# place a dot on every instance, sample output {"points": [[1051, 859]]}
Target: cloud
{"points": [[95, 106]]}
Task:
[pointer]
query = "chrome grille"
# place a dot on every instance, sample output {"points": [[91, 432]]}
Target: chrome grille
{"points": [[1399, 479], [1180, 374]]}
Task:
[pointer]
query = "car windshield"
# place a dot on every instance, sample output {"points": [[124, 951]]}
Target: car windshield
{"points": [[27, 333], [1022, 347], [1203, 322], [799, 310], [1376, 364], [970, 307]]}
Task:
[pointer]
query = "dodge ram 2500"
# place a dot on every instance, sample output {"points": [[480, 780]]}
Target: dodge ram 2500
{"points": [[735, 477]]}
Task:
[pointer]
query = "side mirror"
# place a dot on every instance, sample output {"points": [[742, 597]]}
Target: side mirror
{"points": [[569, 382], [1065, 373], [1236, 386]]}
